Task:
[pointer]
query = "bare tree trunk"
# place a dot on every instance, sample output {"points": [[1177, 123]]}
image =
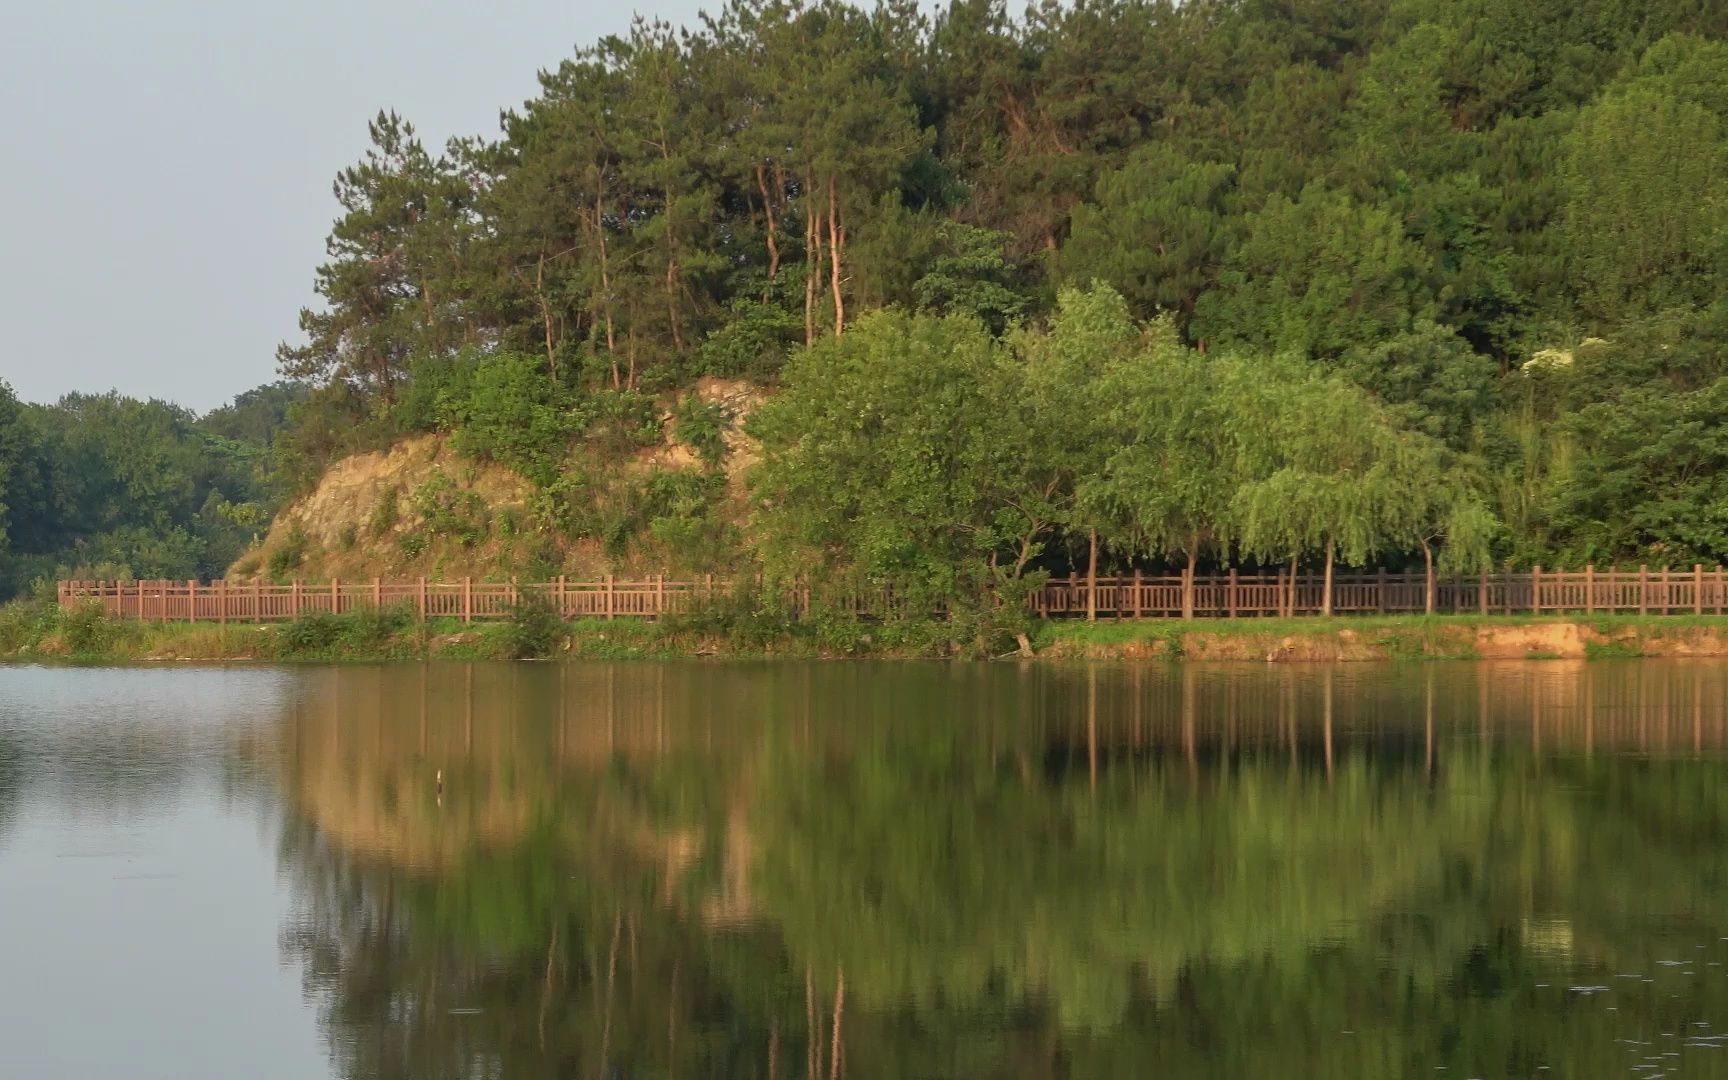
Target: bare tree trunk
{"points": [[1326, 600], [546, 316], [1427, 579], [812, 260], [769, 216], [1188, 584], [606, 287], [836, 241], [1092, 579], [672, 301]]}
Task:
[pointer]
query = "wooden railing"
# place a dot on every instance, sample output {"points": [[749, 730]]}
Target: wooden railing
{"points": [[1694, 590]]}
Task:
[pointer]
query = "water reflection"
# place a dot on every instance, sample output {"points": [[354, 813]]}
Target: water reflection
{"points": [[881, 870]]}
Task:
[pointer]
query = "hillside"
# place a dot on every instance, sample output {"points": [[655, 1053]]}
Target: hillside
{"points": [[422, 507]]}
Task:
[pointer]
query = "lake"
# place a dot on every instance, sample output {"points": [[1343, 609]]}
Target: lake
{"points": [[865, 869]]}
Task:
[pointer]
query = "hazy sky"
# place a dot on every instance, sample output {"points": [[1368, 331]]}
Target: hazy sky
{"points": [[167, 164]]}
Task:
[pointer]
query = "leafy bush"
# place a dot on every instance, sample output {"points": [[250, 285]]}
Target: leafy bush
{"points": [[370, 627], [534, 631], [291, 553], [86, 629], [446, 509], [510, 412], [309, 634], [623, 421], [753, 342], [385, 512], [702, 427]]}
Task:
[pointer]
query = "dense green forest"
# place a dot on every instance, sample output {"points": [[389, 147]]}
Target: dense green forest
{"points": [[105, 486], [1253, 282]]}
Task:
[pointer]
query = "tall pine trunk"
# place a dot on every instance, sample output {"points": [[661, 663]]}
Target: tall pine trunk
{"points": [[836, 241], [769, 215], [812, 259]]}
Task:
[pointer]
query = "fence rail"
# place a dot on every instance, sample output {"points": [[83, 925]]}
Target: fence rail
{"points": [[1694, 590]]}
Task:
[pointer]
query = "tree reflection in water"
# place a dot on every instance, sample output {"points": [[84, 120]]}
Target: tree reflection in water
{"points": [[877, 870]]}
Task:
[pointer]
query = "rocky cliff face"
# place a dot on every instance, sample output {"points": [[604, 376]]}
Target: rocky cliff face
{"points": [[420, 508]]}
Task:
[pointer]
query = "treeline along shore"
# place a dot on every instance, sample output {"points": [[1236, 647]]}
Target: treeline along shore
{"points": [[951, 306]]}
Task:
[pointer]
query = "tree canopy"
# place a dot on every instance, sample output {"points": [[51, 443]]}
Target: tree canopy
{"points": [[1452, 210]]}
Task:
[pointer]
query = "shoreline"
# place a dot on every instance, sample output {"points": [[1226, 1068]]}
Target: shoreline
{"points": [[45, 634]]}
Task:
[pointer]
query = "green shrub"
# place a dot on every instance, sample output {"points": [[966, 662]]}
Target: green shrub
{"points": [[86, 629], [370, 627], [753, 342], [446, 509], [291, 553], [310, 634], [702, 426], [348, 537], [535, 630], [510, 412], [623, 421], [385, 512]]}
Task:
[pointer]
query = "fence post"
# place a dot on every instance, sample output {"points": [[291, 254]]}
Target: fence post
{"points": [[1590, 588], [467, 599], [222, 601], [335, 596], [294, 601], [1536, 589], [420, 597], [1719, 588], [257, 600], [515, 595], [377, 593], [1482, 594], [1667, 591], [660, 596], [609, 596], [1137, 594], [1230, 599], [1643, 588], [191, 599], [563, 612], [1380, 590]]}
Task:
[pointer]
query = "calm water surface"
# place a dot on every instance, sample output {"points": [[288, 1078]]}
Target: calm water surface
{"points": [[865, 870]]}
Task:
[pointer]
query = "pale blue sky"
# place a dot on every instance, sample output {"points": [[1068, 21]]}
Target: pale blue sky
{"points": [[166, 168]]}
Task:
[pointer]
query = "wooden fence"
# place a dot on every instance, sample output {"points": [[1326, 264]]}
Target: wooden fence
{"points": [[1695, 590]]}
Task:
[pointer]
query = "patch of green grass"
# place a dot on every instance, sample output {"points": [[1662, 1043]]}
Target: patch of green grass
{"points": [[1612, 650]]}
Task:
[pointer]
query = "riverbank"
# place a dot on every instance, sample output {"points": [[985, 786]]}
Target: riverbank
{"points": [[1441, 637], [42, 632]]}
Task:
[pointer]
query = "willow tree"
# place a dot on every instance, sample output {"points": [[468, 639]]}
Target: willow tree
{"points": [[1067, 394], [1325, 472], [1438, 506], [1166, 486]]}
